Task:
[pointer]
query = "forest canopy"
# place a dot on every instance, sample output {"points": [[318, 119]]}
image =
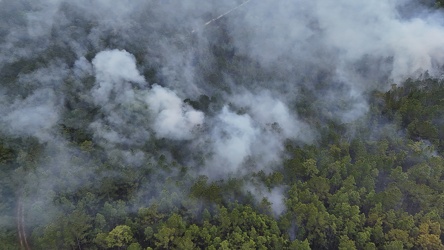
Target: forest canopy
{"points": [[221, 125]]}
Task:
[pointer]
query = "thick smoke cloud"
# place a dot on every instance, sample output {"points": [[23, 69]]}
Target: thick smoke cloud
{"points": [[132, 109], [253, 138], [173, 118], [267, 110], [233, 138], [113, 70], [138, 61], [33, 109], [345, 31], [33, 116]]}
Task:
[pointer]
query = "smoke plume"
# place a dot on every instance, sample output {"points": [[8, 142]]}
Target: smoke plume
{"points": [[225, 89]]}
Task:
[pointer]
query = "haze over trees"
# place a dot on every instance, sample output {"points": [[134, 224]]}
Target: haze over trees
{"points": [[278, 125]]}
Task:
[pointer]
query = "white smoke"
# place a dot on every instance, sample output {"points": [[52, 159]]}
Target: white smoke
{"points": [[275, 196], [376, 28], [233, 136], [267, 110], [254, 140], [82, 68], [347, 29], [34, 116], [114, 70], [254, 59], [174, 119], [40, 19], [36, 109], [132, 108]]}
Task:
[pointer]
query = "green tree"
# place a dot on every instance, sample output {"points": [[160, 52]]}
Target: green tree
{"points": [[119, 237]]}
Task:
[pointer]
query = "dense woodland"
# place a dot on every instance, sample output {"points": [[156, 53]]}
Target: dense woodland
{"points": [[377, 187], [375, 182]]}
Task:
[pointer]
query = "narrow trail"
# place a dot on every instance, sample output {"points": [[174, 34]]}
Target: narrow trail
{"points": [[21, 225], [222, 15]]}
